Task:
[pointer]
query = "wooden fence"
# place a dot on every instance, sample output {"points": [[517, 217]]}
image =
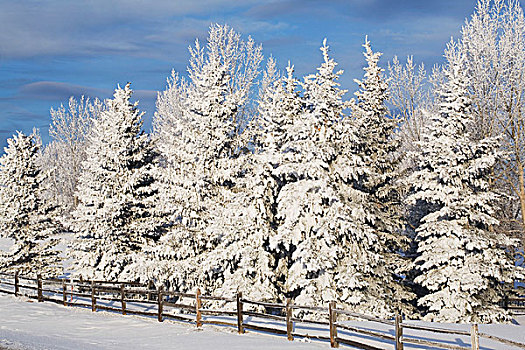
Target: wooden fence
{"points": [[130, 298], [516, 305]]}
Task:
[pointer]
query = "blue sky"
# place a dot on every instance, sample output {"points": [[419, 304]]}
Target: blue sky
{"points": [[50, 50]]}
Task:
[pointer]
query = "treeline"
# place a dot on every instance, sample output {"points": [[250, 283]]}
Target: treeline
{"points": [[404, 198]]}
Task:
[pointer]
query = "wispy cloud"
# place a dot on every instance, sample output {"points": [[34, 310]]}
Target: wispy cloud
{"points": [[53, 49], [64, 27], [370, 10], [58, 91], [52, 93]]}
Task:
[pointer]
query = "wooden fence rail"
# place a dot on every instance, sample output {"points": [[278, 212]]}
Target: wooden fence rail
{"points": [[125, 297]]}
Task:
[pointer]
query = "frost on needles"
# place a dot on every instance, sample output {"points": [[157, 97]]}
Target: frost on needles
{"points": [[366, 173], [460, 262], [25, 217], [116, 216], [215, 236]]}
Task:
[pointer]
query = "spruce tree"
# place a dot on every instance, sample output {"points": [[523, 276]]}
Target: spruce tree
{"points": [[239, 259], [459, 264], [308, 212], [173, 259], [116, 215], [365, 171], [198, 129], [25, 217], [235, 257], [375, 164]]}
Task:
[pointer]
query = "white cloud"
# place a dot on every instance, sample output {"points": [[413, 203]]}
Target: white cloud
{"points": [[32, 28]]}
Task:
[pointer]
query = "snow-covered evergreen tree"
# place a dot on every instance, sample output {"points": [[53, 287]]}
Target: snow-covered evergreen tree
{"points": [[305, 241], [374, 166], [308, 215], [198, 130], [460, 264], [25, 217], [240, 260], [116, 215], [172, 260], [365, 170]]}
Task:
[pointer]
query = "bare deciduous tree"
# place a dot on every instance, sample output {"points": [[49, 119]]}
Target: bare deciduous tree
{"points": [[494, 44], [63, 157]]}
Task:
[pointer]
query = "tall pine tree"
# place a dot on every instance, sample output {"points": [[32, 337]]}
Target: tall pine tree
{"points": [[365, 171], [460, 264], [308, 213], [198, 129], [116, 215], [25, 217]]}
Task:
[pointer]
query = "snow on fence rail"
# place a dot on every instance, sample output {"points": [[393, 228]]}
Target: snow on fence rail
{"points": [[284, 319], [516, 305]]}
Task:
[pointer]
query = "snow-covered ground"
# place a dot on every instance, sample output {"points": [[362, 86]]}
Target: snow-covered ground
{"points": [[31, 325], [5, 244]]}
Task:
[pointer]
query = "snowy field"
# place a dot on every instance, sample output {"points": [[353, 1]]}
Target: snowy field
{"points": [[39, 326], [29, 325]]}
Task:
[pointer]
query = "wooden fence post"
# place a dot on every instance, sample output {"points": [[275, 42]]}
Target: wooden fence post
{"points": [[399, 332], [198, 306], [39, 288], [93, 298], [240, 327], [122, 299], [16, 283], [474, 337], [159, 301], [333, 327], [64, 295], [289, 322]]}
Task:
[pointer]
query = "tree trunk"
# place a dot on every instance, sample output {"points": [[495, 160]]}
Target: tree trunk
{"points": [[521, 196]]}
